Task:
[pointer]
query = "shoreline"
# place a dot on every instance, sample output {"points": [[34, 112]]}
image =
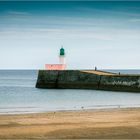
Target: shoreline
{"points": [[114, 107], [101, 123], [78, 110]]}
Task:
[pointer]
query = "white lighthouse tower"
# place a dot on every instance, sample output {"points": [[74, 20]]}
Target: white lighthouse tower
{"points": [[61, 65], [62, 56]]}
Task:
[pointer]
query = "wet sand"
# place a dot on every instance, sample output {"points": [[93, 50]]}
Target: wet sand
{"points": [[103, 124]]}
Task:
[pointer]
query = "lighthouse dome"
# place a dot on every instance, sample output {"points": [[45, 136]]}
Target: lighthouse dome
{"points": [[62, 51]]}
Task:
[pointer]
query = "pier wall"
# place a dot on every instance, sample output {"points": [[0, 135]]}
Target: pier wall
{"points": [[76, 79]]}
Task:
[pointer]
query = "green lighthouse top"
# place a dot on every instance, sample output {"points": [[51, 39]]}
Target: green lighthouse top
{"points": [[62, 51]]}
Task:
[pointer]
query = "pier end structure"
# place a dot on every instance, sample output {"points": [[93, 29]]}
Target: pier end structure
{"points": [[87, 79]]}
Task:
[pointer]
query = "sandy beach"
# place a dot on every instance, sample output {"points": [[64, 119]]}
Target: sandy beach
{"points": [[103, 124]]}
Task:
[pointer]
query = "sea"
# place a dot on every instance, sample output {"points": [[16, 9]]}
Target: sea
{"points": [[18, 95]]}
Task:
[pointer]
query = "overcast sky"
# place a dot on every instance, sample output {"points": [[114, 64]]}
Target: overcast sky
{"points": [[102, 34]]}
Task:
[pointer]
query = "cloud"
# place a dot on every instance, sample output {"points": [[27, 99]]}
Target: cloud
{"points": [[45, 21], [122, 12], [135, 20], [53, 34], [72, 34], [17, 13]]}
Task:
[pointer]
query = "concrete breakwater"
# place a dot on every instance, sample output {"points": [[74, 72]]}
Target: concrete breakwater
{"points": [[87, 79]]}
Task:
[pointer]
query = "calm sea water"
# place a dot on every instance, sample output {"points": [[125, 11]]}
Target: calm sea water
{"points": [[19, 95]]}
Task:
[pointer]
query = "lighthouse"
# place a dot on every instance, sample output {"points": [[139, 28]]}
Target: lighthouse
{"points": [[62, 65], [62, 56]]}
